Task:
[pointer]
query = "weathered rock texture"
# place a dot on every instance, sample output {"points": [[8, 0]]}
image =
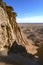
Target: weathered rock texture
{"points": [[10, 31]]}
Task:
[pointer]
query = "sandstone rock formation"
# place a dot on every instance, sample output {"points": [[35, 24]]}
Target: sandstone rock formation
{"points": [[10, 30]]}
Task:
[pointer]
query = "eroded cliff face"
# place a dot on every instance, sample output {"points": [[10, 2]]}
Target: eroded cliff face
{"points": [[7, 36], [10, 30]]}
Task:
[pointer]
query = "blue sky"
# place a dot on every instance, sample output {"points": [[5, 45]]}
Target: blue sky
{"points": [[28, 11]]}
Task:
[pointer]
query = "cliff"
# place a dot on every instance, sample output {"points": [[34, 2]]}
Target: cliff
{"points": [[11, 32]]}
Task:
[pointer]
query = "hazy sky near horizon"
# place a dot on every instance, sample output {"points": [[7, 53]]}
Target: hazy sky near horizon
{"points": [[28, 11]]}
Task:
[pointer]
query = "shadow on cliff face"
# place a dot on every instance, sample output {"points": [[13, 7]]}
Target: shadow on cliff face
{"points": [[20, 50], [17, 49]]}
